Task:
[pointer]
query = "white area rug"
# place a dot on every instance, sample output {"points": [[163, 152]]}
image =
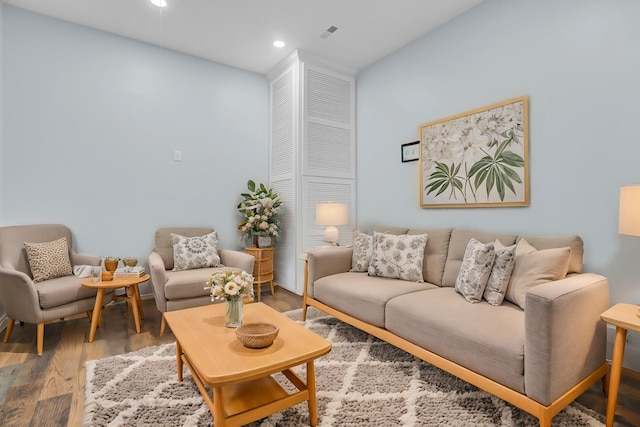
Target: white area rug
{"points": [[361, 382]]}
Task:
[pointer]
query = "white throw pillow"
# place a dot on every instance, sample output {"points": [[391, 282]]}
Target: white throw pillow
{"points": [[533, 267], [398, 257], [475, 270], [362, 251], [500, 273], [195, 252]]}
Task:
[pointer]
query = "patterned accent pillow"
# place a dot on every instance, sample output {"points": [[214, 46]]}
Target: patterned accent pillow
{"points": [[533, 268], [475, 270], [398, 257], [500, 273], [49, 260], [195, 252], [362, 251]]}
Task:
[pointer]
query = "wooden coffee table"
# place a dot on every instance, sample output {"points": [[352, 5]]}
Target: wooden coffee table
{"points": [[240, 377], [132, 297]]}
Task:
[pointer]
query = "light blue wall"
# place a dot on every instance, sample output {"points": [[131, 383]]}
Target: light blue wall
{"points": [[2, 166], [579, 63], [91, 124]]}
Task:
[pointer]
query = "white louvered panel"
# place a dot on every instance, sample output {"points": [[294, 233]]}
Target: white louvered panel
{"points": [[283, 136], [318, 190], [329, 151], [285, 249], [329, 96]]}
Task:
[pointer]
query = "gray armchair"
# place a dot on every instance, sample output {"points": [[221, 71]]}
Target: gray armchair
{"points": [[45, 301], [176, 290]]}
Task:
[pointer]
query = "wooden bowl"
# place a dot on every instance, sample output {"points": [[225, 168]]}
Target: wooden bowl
{"points": [[257, 335]]}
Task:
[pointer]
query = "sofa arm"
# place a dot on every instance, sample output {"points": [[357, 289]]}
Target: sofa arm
{"points": [[77, 259], [325, 262], [565, 340], [237, 259], [158, 280], [19, 296]]}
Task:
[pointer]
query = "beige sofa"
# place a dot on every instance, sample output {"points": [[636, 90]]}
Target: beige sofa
{"points": [[176, 290], [538, 359]]}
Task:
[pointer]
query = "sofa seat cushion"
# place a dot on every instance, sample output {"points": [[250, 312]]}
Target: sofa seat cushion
{"points": [[63, 290], [190, 283], [484, 338], [361, 296]]}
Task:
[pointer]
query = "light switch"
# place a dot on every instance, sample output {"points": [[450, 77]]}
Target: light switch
{"points": [[177, 156]]}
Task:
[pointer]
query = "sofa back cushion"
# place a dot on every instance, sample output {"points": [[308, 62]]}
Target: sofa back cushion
{"points": [[164, 244], [435, 252], [574, 243], [12, 250], [458, 244], [390, 230]]}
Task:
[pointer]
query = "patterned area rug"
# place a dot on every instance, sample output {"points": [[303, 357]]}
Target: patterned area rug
{"points": [[362, 382]]}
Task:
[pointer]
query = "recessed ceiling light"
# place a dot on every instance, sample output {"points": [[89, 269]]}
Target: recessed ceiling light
{"points": [[159, 3], [278, 43]]}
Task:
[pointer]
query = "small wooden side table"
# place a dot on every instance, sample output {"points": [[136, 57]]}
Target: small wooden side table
{"points": [[625, 318], [263, 267], [132, 297]]}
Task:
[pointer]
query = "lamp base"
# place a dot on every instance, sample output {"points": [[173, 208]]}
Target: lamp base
{"points": [[331, 236]]}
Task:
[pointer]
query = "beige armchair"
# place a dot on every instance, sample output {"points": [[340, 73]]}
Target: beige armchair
{"points": [[176, 290], [44, 301]]}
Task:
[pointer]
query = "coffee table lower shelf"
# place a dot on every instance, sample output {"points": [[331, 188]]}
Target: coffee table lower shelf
{"points": [[255, 399]]}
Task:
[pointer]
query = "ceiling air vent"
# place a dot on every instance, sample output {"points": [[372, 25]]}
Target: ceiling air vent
{"points": [[332, 29]]}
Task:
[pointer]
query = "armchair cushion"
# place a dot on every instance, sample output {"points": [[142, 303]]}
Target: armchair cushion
{"points": [[195, 252], [62, 290], [49, 260], [191, 283]]}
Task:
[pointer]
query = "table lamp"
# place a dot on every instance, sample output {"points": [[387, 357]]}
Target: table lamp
{"points": [[331, 214], [629, 214]]}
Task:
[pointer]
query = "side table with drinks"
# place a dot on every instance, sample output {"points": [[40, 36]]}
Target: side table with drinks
{"points": [[130, 283]]}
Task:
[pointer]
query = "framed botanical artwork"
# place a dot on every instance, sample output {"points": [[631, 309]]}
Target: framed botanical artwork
{"points": [[476, 159], [410, 151]]}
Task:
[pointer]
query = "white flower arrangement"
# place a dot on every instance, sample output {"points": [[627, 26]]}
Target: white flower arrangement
{"points": [[230, 285], [260, 209]]}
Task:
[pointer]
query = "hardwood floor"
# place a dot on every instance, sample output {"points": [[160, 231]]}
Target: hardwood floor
{"points": [[48, 390]]}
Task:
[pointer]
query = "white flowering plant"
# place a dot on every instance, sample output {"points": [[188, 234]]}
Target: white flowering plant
{"points": [[230, 285], [260, 209]]}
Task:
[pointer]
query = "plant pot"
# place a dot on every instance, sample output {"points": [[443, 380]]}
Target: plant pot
{"points": [[264, 241]]}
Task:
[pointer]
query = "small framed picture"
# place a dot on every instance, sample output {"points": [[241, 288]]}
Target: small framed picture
{"points": [[410, 151]]}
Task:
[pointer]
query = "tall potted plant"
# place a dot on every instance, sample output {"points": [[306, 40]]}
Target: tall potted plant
{"points": [[260, 209]]}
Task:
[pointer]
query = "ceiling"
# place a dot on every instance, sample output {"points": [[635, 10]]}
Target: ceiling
{"points": [[240, 33]]}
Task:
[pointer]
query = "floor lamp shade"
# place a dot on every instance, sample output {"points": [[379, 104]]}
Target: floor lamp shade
{"points": [[629, 213], [331, 214]]}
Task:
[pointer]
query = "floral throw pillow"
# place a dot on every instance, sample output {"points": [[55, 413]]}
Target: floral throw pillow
{"points": [[362, 251], [500, 273], [398, 257], [195, 252], [49, 260], [475, 270]]}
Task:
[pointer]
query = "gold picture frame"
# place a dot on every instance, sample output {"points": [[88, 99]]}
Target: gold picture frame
{"points": [[479, 158]]}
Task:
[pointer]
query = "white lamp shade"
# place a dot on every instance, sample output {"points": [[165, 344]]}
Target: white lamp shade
{"points": [[629, 215], [331, 213]]}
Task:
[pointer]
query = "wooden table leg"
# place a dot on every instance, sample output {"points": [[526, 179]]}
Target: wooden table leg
{"points": [[311, 386], [616, 370], [97, 311], [134, 306], [218, 410], [179, 360], [140, 308]]}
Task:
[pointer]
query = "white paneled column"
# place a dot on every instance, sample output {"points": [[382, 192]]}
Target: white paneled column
{"points": [[312, 155]]}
